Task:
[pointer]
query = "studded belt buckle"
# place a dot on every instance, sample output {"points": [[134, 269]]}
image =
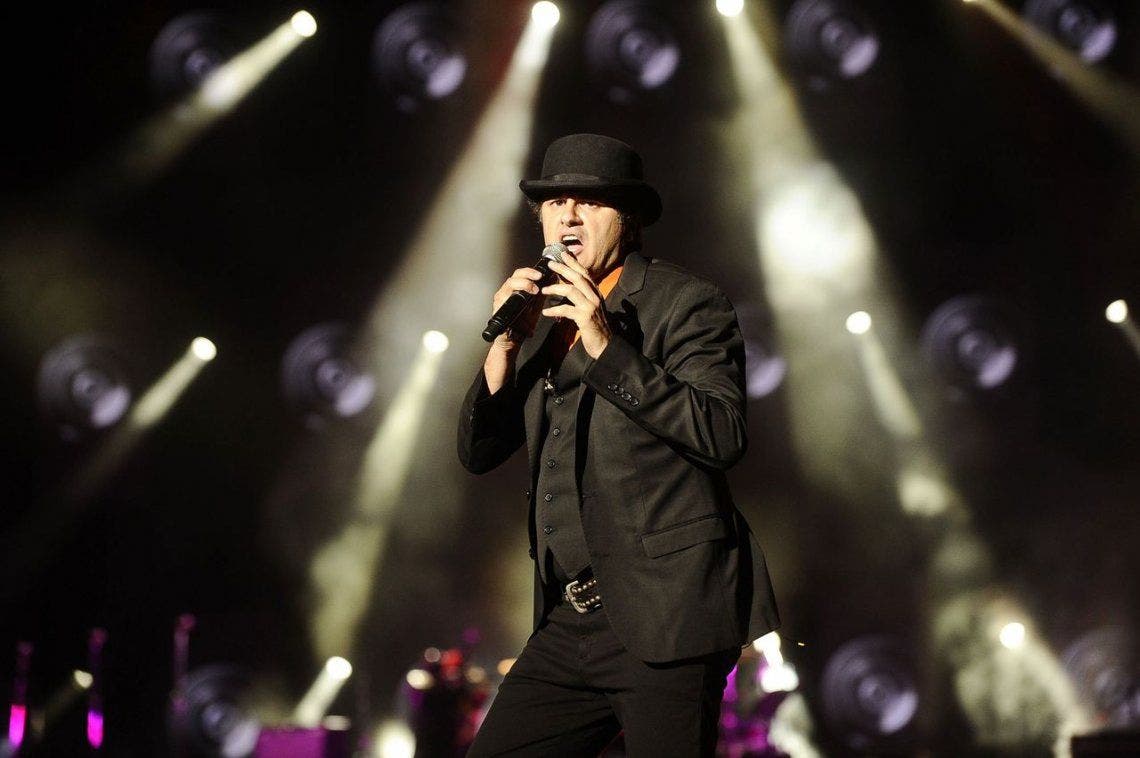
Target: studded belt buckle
{"points": [[582, 595]]}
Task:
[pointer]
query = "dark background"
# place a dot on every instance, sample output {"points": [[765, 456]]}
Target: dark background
{"points": [[978, 172]]}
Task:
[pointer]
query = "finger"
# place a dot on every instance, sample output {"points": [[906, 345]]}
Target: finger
{"points": [[580, 279], [564, 311], [568, 291], [571, 262]]}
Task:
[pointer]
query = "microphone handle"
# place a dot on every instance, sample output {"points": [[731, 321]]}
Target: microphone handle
{"points": [[516, 304]]}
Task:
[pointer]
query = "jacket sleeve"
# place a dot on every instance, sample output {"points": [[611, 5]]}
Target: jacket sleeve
{"points": [[695, 398], [490, 426]]}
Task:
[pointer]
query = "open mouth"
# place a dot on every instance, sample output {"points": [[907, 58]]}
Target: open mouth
{"points": [[572, 243]]}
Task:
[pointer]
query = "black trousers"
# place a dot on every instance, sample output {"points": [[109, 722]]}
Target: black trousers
{"points": [[574, 686]]}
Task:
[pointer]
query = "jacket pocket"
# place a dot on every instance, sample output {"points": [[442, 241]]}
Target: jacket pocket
{"points": [[674, 538]]}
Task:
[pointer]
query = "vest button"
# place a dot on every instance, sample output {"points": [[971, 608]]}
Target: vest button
{"points": [[559, 400], [556, 431], [547, 529], [548, 497], [550, 463]]}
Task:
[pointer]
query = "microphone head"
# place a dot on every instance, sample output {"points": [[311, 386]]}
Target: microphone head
{"points": [[554, 251]]}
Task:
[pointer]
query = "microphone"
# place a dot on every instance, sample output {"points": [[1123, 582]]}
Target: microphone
{"points": [[519, 300]]}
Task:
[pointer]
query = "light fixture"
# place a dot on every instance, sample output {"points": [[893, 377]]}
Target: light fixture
{"points": [[417, 55], [869, 694], [187, 50], [303, 23], [974, 342], [1086, 27], [730, 8], [831, 39], [210, 713], [859, 322], [321, 379], [1117, 312], [631, 49], [545, 14], [84, 386]]}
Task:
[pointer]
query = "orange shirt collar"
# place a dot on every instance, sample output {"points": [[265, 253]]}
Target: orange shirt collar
{"points": [[605, 286]]}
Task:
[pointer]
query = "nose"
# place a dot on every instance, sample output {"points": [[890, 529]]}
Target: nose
{"points": [[570, 212]]}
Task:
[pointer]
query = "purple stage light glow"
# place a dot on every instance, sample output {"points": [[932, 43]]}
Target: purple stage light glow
{"points": [[95, 729], [17, 721]]}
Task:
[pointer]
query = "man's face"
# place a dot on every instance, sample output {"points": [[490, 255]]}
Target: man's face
{"points": [[590, 230]]}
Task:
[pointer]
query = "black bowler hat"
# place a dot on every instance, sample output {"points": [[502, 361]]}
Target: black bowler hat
{"points": [[596, 166]]}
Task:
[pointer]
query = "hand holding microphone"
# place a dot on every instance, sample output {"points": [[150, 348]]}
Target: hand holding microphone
{"points": [[523, 287]]}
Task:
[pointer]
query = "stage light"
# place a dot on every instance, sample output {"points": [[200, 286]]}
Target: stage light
{"points": [[417, 55], [1084, 26], [83, 680], [630, 48], [764, 368], [394, 739], [418, 679], [1116, 312], [831, 38], [187, 50], [322, 378], [730, 8], [203, 349], [435, 342], [213, 715], [1012, 635], [315, 704], [338, 668], [973, 342], [545, 14], [859, 322], [83, 386], [869, 694], [1101, 665], [303, 23]]}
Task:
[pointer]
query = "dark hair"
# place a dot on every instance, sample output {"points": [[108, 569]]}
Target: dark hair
{"points": [[630, 226]]}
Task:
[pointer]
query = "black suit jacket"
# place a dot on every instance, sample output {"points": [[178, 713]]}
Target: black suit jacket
{"points": [[660, 419]]}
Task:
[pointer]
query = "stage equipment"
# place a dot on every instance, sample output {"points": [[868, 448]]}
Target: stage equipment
{"points": [[858, 322], [1117, 311], [417, 54], [974, 343], [631, 49], [321, 378], [84, 386], [1086, 27], [869, 694], [322, 692], [1105, 672], [545, 14], [214, 720], [95, 642], [764, 367], [187, 50], [730, 8], [18, 710], [830, 39]]}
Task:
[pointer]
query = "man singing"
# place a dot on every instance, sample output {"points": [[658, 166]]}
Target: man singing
{"points": [[625, 378]]}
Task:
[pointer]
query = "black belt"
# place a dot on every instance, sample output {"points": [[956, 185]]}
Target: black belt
{"points": [[582, 594]]}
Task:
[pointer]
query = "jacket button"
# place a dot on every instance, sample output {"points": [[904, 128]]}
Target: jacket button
{"points": [[527, 494], [531, 553], [635, 401], [548, 497], [611, 387], [547, 529], [626, 396]]}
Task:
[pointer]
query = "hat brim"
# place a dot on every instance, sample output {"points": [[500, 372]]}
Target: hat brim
{"points": [[627, 195]]}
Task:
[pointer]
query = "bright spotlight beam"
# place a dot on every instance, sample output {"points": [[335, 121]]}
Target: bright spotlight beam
{"points": [[342, 570], [1111, 99], [1117, 313], [42, 531], [456, 257], [160, 141], [817, 253], [321, 694]]}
